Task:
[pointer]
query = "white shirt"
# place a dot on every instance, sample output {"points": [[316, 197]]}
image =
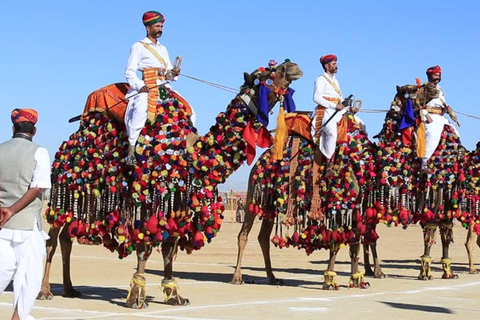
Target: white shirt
{"points": [[323, 88], [141, 58], [41, 173], [40, 179]]}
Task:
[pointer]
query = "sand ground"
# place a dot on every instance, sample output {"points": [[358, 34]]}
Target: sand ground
{"points": [[204, 278]]}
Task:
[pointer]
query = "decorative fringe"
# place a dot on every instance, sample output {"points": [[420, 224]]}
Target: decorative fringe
{"points": [[292, 201], [280, 135], [315, 207], [421, 140]]}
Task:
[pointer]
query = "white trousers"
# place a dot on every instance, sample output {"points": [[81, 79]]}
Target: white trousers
{"points": [[433, 133], [328, 137], [136, 116], [21, 259]]}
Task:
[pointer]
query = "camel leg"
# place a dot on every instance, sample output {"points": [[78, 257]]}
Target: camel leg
{"points": [[66, 248], [446, 234], [357, 279], [45, 293], [378, 273], [469, 246], [136, 298], [264, 240], [330, 275], [426, 260], [169, 284], [242, 243], [366, 260]]}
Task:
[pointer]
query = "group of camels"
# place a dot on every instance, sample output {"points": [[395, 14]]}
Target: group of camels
{"points": [[170, 198]]}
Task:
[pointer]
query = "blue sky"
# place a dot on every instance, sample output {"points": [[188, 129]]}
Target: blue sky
{"points": [[54, 53]]}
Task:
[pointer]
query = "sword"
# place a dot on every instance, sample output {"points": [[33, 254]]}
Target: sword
{"points": [[347, 102]]}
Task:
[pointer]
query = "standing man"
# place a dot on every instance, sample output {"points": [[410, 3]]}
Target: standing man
{"points": [[328, 96], [434, 115], [150, 58], [24, 177]]}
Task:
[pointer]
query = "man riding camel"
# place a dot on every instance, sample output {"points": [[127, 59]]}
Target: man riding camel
{"points": [[150, 58], [433, 114], [328, 96]]}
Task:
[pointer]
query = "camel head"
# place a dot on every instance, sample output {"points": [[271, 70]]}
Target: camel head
{"points": [[420, 95], [276, 78]]}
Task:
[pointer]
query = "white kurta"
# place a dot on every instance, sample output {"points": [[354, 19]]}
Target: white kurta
{"points": [[433, 130], [22, 252], [141, 58], [322, 94]]}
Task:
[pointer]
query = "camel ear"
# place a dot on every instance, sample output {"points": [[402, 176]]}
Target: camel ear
{"points": [[282, 70], [247, 77]]}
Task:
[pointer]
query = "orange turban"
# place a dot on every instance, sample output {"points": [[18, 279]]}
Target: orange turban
{"points": [[328, 58], [24, 115], [434, 69], [152, 17]]}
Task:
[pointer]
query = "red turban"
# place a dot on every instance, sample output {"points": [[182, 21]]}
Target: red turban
{"points": [[152, 17], [24, 115], [434, 69], [328, 58]]}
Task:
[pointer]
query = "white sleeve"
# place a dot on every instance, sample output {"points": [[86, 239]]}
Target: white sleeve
{"points": [[132, 67], [41, 173], [318, 92]]}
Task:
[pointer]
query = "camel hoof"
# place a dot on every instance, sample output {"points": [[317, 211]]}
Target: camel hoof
{"points": [[237, 281], [45, 295], [135, 306], [178, 301], [364, 285], [380, 276], [473, 271], [450, 276], [71, 293], [330, 287], [425, 278]]}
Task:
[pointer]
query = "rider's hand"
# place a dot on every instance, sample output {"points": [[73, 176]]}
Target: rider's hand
{"points": [[175, 72], [144, 89], [339, 107]]}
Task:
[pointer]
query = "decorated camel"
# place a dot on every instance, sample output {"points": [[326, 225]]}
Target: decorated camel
{"points": [[310, 206], [169, 199], [405, 192], [470, 203]]}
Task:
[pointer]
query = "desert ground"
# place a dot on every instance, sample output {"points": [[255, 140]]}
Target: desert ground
{"points": [[204, 277]]}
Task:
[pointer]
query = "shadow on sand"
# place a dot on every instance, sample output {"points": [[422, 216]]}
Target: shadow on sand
{"points": [[417, 307]]}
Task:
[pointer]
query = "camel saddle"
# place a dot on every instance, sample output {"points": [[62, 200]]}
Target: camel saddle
{"points": [[299, 123], [111, 100]]}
